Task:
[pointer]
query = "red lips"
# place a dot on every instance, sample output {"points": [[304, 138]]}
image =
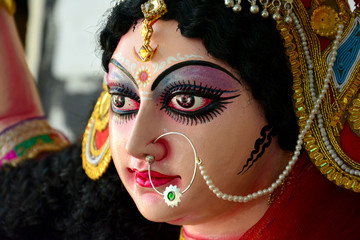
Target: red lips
{"points": [[158, 179]]}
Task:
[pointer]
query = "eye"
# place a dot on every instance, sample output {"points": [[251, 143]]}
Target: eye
{"points": [[124, 105], [187, 102], [191, 104], [118, 101]]}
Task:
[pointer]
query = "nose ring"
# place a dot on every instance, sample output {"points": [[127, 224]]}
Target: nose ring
{"points": [[172, 194]]}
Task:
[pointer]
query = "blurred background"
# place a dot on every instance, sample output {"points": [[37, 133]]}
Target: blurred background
{"points": [[60, 38]]}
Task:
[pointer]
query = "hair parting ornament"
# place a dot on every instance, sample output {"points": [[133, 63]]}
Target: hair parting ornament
{"points": [[152, 10]]}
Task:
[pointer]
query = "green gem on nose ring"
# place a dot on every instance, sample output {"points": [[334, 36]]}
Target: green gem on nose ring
{"points": [[171, 196]]}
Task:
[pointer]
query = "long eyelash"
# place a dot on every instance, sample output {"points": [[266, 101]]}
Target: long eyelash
{"points": [[202, 91], [123, 118], [196, 119], [126, 92], [188, 86]]}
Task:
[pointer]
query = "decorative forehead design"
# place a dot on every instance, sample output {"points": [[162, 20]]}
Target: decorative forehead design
{"points": [[155, 67], [174, 49]]}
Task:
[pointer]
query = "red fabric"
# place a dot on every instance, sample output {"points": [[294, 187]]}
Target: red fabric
{"points": [[324, 42], [357, 2], [310, 207], [101, 137], [350, 143], [307, 3]]}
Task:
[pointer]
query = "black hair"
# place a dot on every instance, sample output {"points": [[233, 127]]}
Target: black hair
{"points": [[54, 199], [247, 42]]}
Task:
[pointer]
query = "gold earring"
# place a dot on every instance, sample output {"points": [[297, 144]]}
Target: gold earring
{"points": [[96, 154]]}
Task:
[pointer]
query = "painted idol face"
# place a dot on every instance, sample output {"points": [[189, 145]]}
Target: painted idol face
{"points": [[183, 89]]}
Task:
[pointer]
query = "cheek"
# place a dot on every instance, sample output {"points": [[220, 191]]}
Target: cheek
{"points": [[232, 139]]}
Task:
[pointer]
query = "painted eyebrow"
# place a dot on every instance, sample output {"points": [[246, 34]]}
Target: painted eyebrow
{"points": [[121, 68], [190, 63]]}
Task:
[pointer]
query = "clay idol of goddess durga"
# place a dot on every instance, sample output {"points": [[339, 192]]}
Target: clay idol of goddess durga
{"points": [[218, 120]]}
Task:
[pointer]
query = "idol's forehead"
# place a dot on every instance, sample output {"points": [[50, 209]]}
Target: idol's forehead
{"points": [[172, 48]]}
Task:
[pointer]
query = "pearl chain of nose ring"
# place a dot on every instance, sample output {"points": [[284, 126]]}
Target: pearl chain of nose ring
{"points": [[172, 194]]}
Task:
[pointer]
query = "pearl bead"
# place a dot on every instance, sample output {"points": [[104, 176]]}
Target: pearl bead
{"points": [[276, 16], [265, 14], [224, 197], [237, 8], [288, 19], [229, 3], [254, 9]]}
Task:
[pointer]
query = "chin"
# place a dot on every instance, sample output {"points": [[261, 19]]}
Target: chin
{"points": [[159, 212]]}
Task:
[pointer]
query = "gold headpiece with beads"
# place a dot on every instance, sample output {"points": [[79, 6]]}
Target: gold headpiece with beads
{"points": [[277, 5]]}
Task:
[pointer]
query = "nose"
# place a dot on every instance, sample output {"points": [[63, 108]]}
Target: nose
{"points": [[146, 129]]}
